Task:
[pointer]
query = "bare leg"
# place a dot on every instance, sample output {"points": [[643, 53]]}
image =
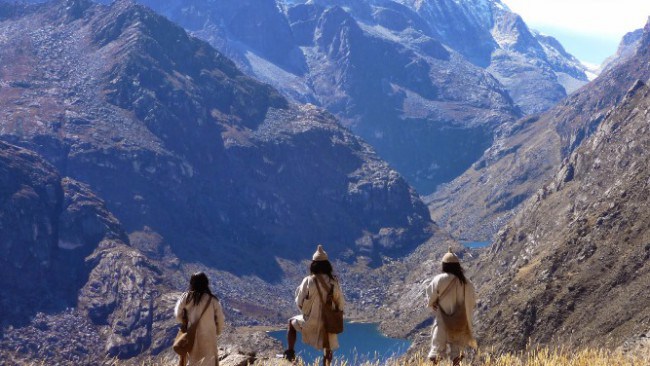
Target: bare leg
{"points": [[291, 336], [289, 353], [327, 359]]}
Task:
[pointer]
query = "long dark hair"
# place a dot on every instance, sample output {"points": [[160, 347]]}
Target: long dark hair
{"points": [[322, 267], [199, 285], [456, 270]]}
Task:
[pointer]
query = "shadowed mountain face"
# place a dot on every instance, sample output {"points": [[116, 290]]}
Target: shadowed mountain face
{"points": [[174, 137], [413, 107], [42, 236], [63, 249], [576, 256], [426, 83], [529, 152]]}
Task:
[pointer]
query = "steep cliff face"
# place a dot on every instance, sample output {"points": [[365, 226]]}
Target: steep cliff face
{"points": [[572, 267], [49, 226], [256, 26], [527, 153], [426, 121], [535, 69], [626, 49], [64, 249]]}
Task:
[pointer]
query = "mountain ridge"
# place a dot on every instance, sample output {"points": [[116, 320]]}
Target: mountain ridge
{"points": [[524, 157], [390, 30], [588, 219]]}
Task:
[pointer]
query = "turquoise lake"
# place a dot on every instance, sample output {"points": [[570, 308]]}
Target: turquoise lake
{"points": [[359, 342], [476, 244]]}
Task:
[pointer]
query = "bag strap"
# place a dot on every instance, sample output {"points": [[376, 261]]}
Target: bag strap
{"points": [[320, 294], [330, 294], [447, 288], [196, 323]]}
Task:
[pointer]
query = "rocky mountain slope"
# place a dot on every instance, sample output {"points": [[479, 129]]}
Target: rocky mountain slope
{"points": [[409, 107], [528, 153], [64, 250], [534, 68], [572, 267], [431, 106], [626, 49], [175, 138]]}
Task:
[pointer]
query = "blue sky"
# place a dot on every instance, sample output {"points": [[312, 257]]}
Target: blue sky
{"points": [[588, 29]]}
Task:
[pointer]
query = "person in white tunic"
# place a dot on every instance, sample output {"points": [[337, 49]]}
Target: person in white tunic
{"points": [[310, 322], [452, 298], [191, 304]]}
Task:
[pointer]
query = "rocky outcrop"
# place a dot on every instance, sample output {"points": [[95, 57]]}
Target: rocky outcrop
{"points": [[626, 49], [572, 266], [121, 292], [527, 153], [65, 250], [49, 226]]}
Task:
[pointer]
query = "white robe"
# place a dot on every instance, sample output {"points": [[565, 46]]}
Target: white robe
{"points": [[310, 322], [204, 352], [448, 302]]}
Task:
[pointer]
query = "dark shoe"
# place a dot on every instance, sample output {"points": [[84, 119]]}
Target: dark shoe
{"points": [[290, 355]]}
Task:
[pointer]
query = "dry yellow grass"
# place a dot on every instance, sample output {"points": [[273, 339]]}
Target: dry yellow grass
{"points": [[545, 357], [541, 357]]}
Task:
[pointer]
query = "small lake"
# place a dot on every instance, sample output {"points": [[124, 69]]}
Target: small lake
{"points": [[358, 343], [475, 244]]}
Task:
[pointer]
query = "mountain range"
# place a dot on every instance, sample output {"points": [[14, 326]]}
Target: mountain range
{"points": [[452, 73], [172, 136]]}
